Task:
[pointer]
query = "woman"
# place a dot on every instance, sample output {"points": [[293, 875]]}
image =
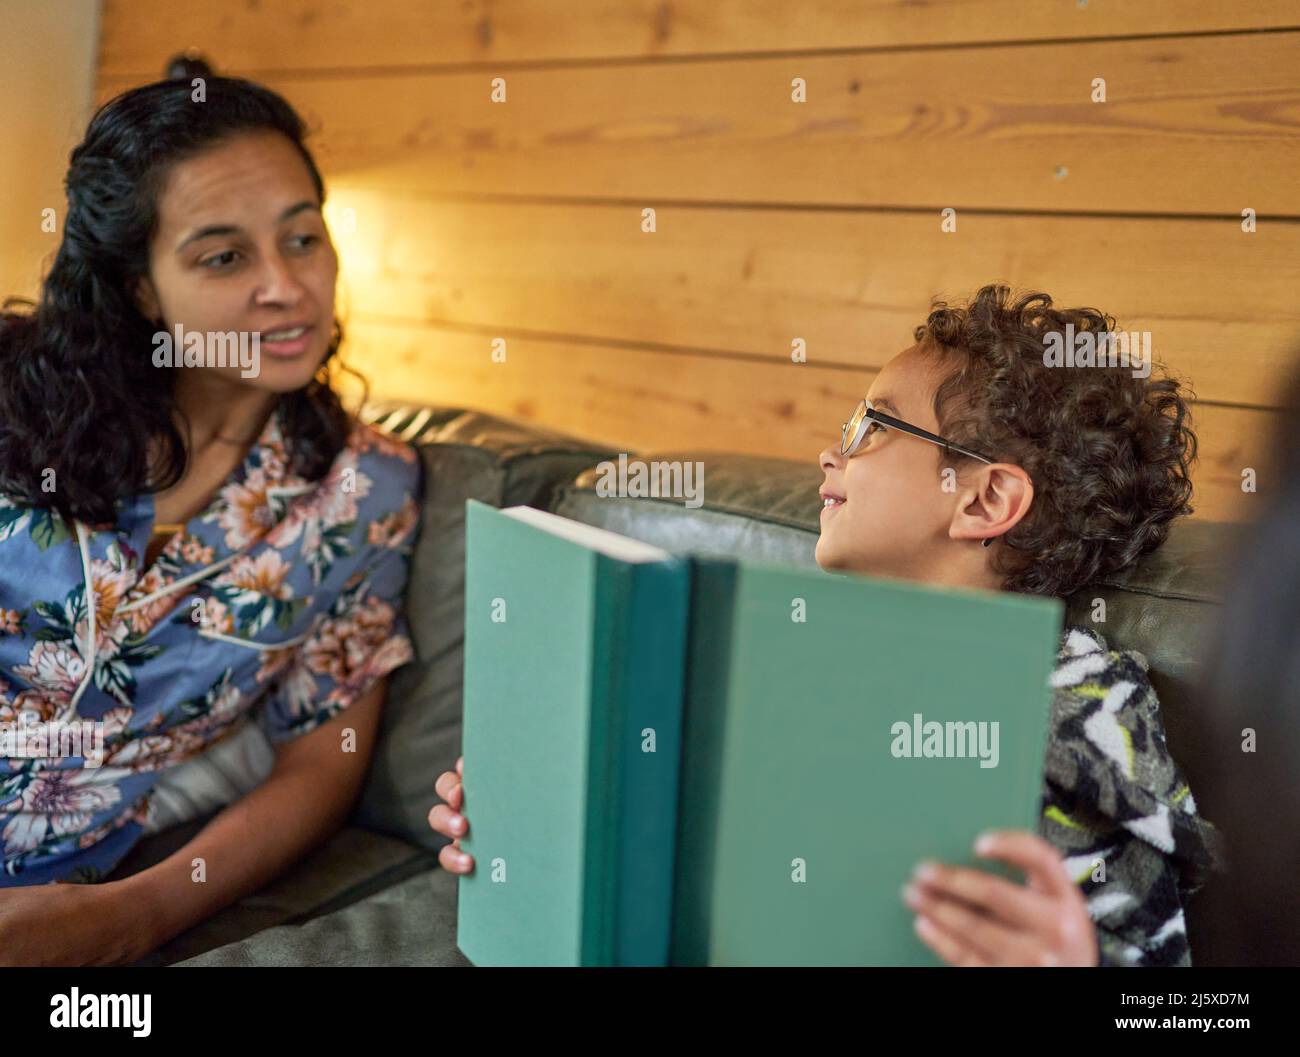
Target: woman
{"points": [[975, 464], [187, 543]]}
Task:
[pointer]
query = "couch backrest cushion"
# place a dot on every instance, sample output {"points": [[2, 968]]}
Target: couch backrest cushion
{"points": [[465, 455]]}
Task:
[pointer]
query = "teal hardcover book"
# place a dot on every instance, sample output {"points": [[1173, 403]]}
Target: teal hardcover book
{"points": [[574, 652], [814, 735], [838, 730]]}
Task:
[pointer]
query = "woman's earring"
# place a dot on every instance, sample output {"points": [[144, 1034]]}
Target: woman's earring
{"points": [[988, 541]]}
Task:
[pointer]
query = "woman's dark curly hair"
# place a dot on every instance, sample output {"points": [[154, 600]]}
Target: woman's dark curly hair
{"points": [[78, 392], [1109, 453]]}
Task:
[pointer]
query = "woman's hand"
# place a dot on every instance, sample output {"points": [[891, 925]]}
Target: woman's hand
{"points": [[68, 924], [446, 819], [969, 917]]}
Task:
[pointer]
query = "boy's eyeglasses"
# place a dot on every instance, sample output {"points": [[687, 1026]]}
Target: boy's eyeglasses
{"points": [[856, 428]]}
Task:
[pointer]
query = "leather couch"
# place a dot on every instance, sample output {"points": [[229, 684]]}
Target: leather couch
{"points": [[373, 893]]}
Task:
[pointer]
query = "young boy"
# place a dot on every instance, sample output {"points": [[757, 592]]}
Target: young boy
{"points": [[979, 459]]}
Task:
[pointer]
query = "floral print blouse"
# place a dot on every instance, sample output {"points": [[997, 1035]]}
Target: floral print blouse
{"points": [[280, 603]]}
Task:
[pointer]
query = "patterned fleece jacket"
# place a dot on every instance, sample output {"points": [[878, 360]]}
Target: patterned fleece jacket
{"points": [[1117, 808]]}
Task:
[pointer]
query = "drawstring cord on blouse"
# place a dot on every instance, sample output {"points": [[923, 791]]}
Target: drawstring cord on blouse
{"points": [[90, 610]]}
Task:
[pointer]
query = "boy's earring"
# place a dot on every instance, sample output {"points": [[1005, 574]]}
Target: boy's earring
{"points": [[988, 541]]}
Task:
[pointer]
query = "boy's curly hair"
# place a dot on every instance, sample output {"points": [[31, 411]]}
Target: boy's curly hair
{"points": [[1109, 453]]}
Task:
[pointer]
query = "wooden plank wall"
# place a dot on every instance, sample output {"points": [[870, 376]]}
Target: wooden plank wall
{"points": [[460, 220]]}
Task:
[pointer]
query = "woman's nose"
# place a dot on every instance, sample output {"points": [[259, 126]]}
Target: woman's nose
{"points": [[279, 283], [830, 458]]}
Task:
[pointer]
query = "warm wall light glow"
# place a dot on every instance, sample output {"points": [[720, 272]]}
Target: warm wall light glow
{"points": [[357, 231], [358, 227]]}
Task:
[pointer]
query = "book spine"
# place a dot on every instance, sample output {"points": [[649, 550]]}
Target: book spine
{"points": [[704, 713], [651, 695]]}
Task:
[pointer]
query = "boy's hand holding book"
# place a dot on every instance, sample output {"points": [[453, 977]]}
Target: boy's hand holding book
{"points": [[969, 917], [447, 820]]}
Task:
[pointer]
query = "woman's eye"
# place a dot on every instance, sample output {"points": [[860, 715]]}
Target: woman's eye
{"points": [[207, 263], [217, 262], [872, 427]]}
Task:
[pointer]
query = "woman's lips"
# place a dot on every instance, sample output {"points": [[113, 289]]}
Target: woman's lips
{"points": [[830, 502], [288, 349]]}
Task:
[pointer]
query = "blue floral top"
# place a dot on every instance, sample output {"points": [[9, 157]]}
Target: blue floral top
{"points": [[282, 602]]}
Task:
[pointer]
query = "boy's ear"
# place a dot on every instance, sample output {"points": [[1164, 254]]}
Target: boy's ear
{"points": [[996, 500]]}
